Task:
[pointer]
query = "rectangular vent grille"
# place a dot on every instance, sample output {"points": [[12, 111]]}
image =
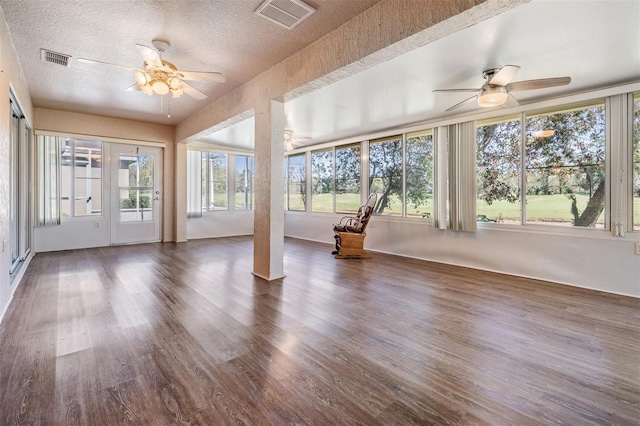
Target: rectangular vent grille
{"points": [[54, 57], [287, 13]]}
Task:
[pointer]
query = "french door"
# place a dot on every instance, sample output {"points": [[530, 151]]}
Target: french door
{"points": [[136, 193]]}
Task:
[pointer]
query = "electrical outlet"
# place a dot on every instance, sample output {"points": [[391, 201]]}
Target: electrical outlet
{"points": [[96, 225], [637, 248]]}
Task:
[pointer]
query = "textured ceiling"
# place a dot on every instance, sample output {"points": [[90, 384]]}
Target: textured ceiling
{"points": [[221, 35]]}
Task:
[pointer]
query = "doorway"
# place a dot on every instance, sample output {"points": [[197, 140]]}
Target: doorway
{"points": [[136, 193]]}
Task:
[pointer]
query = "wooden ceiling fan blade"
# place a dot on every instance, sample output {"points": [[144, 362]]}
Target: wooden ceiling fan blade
{"points": [[150, 56], [538, 84], [504, 76], [459, 104], [213, 77], [107, 64], [193, 92]]}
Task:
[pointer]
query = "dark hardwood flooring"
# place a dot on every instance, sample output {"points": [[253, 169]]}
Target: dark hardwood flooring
{"points": [[184, 334]]}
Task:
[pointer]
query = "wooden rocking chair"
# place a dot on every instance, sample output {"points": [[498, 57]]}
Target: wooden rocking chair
{"points": [[350, 232]]}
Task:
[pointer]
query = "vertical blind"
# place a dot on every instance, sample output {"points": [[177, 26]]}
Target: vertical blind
{"points": [[194, 184], [48, 201]]}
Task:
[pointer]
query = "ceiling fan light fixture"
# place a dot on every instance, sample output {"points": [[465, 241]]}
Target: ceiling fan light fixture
{"points": [[160, 87], [493, 96], [174, 83], [176, 92], [146, 88], [142, 78], [288, 146]]}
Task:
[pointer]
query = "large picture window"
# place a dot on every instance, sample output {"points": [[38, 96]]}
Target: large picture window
{"points": [[385, 174], [348, 165], [244, 176], [322, 181], [636, 162], [419, 174], [565, 163], [215, 175], [296, 182], [498, 170]]}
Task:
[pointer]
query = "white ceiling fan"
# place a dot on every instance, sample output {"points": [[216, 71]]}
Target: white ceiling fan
{"points": [[496, 90], [162, 77], [290, 143]]}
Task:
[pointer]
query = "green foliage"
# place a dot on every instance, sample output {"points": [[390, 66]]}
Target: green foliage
{"points": [[131, 202], [570, 161]]}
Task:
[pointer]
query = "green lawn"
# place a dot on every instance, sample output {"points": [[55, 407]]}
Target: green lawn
{"points": [[554, 209]]}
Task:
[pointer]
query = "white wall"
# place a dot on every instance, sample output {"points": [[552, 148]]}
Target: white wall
{"points": [[587, 258], [73, 234], [220, 224]]}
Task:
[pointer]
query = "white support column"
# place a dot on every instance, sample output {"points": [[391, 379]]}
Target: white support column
{"points": [[268, 234]]}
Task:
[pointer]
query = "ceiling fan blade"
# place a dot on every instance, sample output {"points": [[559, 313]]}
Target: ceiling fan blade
{"points": [[213, 77], [511, 102], [504, 76], [538, 84], [457, 90], [133, 88], [193, 92], [150, 56], [459, 104], [91, 61]]}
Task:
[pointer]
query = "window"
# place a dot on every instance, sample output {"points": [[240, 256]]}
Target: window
{"points": [[296, 182], [135, 182], [347, 185], [419, 174], [498, 170], [214, 173], [636, 162], [322, 181], [385, 174], [565, 164], [81, 178], [244, 170]]}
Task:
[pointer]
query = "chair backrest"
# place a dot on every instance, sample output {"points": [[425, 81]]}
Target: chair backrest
{"points": [[367, 212]]}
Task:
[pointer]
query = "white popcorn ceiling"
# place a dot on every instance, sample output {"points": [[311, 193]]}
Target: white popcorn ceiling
{"points": [[596, 43]]}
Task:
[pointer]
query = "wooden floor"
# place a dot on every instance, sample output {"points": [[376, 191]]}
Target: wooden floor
{"points": [[183, 333]]}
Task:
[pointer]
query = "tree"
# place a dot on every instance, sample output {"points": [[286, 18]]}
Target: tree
{"points": [[569, 160], [385, 172]]}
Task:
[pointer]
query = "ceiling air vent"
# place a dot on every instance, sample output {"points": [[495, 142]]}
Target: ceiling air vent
{"points": [[55, 57], [287, 13]]}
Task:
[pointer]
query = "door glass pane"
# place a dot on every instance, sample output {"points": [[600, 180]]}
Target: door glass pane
{"points": [[135, 177]]}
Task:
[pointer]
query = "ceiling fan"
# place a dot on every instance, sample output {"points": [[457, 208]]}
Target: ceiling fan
{"points": [[290, 143], [496, 90], [162, 77]]}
